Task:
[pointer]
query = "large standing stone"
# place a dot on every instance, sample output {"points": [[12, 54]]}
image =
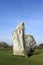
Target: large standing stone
{"points": [[18, 40]]}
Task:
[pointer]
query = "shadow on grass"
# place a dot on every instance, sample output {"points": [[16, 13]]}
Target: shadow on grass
{"points": [[29, 55]]}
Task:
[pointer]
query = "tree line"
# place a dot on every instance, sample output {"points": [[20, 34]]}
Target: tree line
{"points": [[40, 46], [4, 45]]}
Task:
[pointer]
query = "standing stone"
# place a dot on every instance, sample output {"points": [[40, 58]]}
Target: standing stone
{"points": [[29, 44], [18, 40], [22, 44]]}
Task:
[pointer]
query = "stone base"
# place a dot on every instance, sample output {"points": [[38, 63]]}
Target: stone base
{"points": [[17, 53]]}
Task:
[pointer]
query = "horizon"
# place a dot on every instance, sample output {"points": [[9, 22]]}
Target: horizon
{"points": [[12, 12]]}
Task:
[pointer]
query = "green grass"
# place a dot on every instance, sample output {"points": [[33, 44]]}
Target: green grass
{"points": [[7, 58]]}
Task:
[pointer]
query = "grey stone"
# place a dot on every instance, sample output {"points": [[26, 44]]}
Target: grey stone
{"points": [[30, 44]]}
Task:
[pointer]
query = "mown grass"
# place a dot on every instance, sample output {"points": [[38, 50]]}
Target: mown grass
{"points": [[7, 58]]}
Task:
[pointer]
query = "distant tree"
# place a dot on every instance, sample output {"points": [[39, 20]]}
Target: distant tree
{"points": [[11, 47], [41, 46], [37, 47], [4, 45]]}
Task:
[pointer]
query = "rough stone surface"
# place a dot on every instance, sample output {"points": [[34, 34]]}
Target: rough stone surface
{"points": [[22, 44], [29, 44], [18, 40]]}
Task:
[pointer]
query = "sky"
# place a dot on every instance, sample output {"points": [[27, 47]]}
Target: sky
{"points": [[12, 12]]}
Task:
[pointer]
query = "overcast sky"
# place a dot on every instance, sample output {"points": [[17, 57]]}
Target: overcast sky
{"points": [[12, 12]]}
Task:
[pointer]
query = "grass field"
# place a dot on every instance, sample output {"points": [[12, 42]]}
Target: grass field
{"points": [[7, 58]]}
